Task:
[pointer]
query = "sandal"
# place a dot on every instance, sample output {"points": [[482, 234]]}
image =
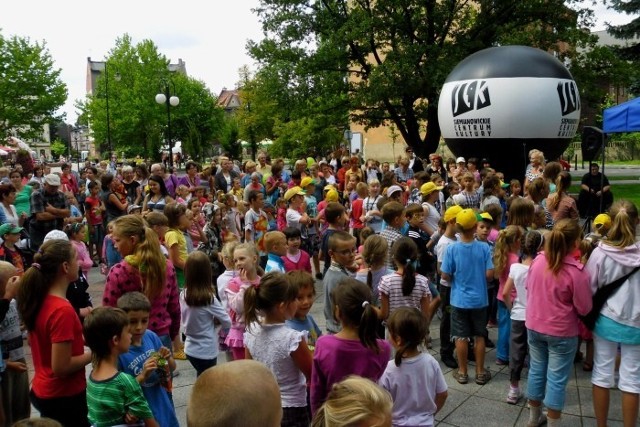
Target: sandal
{"points": [[483, 378], [460, 377]]}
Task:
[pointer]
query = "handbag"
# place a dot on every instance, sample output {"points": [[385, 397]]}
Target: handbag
{"points": [[600, 298]]}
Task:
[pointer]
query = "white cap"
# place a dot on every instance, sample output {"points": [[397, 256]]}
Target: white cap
{"points": [[55, 235], [461, 160], [459, 199], [393, 189]]}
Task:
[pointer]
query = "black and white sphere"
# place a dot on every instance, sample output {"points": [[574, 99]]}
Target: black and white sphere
{"points": [[501, 102]]}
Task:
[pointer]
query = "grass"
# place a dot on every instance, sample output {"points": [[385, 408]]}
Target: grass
{"points": [[624, 162]]}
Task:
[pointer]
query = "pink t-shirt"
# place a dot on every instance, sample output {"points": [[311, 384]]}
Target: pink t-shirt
{"points": [[511, 259], [335, 358], [555, 301], [303, 262], [82, 255]]}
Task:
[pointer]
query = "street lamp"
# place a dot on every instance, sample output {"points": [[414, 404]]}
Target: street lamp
{"points": [[169, 101], [76, 134]]}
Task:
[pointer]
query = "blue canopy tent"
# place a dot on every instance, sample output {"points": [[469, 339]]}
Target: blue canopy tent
{"points": [[623, 117]]}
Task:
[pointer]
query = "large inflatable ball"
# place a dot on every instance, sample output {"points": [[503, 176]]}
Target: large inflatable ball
{"points": [[501, 102]]}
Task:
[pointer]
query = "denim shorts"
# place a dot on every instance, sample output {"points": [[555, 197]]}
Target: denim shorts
{"points": [[98, 234], [468, 322]]}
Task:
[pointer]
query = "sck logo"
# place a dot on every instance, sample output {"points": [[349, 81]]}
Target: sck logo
{"points": [[470, 96], [569, 97]]}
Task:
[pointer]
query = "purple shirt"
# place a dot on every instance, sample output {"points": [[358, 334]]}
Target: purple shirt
{"points": [[184, 180], [336, 358]]}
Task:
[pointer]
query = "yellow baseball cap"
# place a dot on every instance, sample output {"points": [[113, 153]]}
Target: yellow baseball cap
{"points": [[467, 219], [294, 191], [331, 196], [487, 216], [452, 212], [602, 220], [428, 188], [306, 181]]}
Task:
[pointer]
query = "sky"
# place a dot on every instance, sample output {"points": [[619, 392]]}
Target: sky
{"points": [[210, 36]]}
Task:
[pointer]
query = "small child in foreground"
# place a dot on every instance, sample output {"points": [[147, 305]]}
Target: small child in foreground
{"points": [[113, 397], [413, 378], [302, 320], [147, 359]]}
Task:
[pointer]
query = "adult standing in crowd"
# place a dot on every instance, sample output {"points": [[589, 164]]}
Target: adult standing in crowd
{"points": [[131, 187], [354, 170], [191, 180], [50, 207], [224, 178], [170, 180], [23, 193], [263, 167], [436, 167], [617, 330], [8, 212], [69, 184], [595, 191], [535, 168], [415, 162]]}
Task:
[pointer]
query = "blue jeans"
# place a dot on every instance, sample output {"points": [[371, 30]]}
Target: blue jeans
{"points": [[504, 332], [551, 361]]}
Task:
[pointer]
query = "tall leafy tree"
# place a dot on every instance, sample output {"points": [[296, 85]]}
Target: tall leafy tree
{"points": [[630, 30], [31, 90], [388, 59], [137, 124]]}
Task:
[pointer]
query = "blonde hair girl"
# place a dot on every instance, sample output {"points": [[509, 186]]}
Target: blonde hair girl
{"points": [[505, 255], [561, 204], [245, 259], [354, 401], [55, 334], [144, 269], [283, 349], [199, 310]]}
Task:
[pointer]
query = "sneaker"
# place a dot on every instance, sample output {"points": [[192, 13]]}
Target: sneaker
{"points": [[460, 377], [449, 362], [501, 362], [514, 395], [542, 419], [483, 378], [179, 355]]}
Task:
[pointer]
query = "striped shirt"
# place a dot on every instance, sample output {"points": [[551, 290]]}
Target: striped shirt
{"points": [[109, 400], [390, 234], [391, 286]]}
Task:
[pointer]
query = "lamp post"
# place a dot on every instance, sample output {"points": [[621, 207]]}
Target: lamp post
{"points": [[76, 134], [169, 101]]}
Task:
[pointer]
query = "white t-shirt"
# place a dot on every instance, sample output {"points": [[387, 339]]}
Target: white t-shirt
{"points": [[197, 323], [413, 387], [518, 272], [432, 216], [272, 344], [293, 218], [441, 248], [11, 214]]}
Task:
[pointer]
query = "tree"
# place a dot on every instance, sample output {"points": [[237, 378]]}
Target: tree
{"points": [[230, 138], [388, 59], [627, 31], [137, 124], [58, 148], [30, 87]]}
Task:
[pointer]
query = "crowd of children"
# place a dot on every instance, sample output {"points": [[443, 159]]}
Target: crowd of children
{"points": [[235, 273]]}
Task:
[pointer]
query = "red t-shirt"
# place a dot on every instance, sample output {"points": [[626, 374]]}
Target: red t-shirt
{"points": [[57, 322], [94, 213], [356, 213]]}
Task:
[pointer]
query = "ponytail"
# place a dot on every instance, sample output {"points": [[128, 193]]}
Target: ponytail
{"points": [[563, 182], [624, 216], [405, 253], [37, 280], [353, 299], [411, 326], [559, 243], [274, 289], [506, 239]]}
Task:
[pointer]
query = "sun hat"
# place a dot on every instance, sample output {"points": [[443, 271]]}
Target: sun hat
{"points": [[9, 228], [133, 208], [428, 188], [451, 213], [55, 235], [52, 179], [459, 199], [294, 191], [602, 220], [393, 189], [467, 219], [461, 160], [306, 181]]}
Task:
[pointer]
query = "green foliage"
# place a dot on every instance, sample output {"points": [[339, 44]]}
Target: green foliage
{"points": [[138, 125], [386, 61], [230, 138], [629, 30], [30, 87], [58, 148]]}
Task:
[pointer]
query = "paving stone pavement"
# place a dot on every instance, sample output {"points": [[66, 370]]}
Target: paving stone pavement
{"points": [[467, 405]]}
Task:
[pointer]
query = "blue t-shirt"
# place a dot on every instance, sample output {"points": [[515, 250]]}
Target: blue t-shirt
{"points": [[306, 324], [132, 363], [467, 264]]}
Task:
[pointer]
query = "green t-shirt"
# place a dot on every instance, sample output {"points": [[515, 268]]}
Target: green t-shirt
{"points": [[109, 400], [23, 200]]}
